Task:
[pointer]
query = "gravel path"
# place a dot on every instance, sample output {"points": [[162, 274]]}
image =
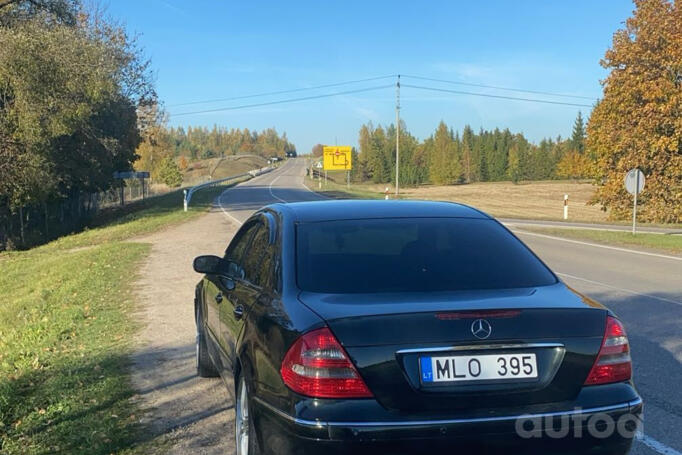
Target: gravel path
{"points": [[183, 412]]}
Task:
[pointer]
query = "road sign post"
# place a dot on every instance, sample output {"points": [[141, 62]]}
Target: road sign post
{"points": [[337, 158], [634, 184]]}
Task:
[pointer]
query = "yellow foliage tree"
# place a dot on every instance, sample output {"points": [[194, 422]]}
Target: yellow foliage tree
{"points": [[574, 165], [638, 123], [182, 163]]}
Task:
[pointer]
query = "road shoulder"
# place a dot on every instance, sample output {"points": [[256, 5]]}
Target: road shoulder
{"points": [[183, 413]]}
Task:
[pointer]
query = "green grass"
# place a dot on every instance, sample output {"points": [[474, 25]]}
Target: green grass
{"points": [[336, 190], [138, 218], [663, 242], [66, 327]]}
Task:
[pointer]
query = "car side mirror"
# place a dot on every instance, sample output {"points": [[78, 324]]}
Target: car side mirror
{"points": [[208, 264]]}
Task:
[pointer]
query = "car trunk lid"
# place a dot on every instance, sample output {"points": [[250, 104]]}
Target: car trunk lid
{"points": [[388, 335]]}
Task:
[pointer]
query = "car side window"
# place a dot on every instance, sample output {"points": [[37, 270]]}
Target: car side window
{"points": [[235, 251], [267, 268], [254, 255]]}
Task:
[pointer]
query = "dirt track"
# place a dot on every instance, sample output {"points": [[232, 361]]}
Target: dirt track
{"points": [[185, 413]]}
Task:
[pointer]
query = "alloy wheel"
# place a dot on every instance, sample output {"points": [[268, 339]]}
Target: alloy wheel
{"points": [[242, 419]]}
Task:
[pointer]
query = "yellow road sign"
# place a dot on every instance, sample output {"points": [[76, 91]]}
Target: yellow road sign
{"points": [[337, 158]]}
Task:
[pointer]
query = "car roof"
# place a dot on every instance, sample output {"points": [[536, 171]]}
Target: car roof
{"points": [[329, 210]]}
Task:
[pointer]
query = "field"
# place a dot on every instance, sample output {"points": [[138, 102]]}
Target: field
{"points": [[65, 333], [541, 200]]}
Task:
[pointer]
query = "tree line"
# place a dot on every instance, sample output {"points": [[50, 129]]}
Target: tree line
{"points": [[77, 103], [167, 151], [450, 157], [636, 124]]}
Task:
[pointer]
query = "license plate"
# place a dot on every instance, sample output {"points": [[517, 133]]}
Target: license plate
{"points": [[478, 367]]}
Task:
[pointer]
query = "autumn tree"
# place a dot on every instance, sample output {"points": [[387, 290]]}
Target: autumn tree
{"points": [[70, 86], [317, 150], [638, 122], [155, 145], [573, 165], [445, 167], [182, 163]]}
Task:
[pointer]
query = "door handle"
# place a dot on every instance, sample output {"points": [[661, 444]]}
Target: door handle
{"points": [[218, 297], [238, 312]]}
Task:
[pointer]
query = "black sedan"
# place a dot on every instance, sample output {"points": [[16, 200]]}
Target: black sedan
{"points": [[407, 327]]}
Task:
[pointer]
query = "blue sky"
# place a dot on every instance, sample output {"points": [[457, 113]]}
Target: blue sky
{"points": [[204, 49]]}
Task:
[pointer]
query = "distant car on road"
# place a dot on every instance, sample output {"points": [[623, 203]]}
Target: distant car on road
{"points": [[407, 327]]}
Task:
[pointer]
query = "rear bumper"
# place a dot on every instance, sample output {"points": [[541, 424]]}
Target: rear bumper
{"points": [[599, 428]]}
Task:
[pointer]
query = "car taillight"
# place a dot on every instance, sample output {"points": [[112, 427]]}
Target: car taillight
{"points": [[317, 366], [613, 363]]}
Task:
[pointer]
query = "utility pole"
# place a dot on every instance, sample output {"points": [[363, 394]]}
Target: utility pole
{"points": [[397, 137]]}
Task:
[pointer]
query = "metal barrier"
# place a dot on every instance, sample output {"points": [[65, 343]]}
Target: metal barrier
{"points": [[194, 189]]}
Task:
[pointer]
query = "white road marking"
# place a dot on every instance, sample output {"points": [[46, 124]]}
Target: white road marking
{"points": [[655, 445], [232, 217], [314, 192], [617, 288], [530, 223], [270, 189], [225, 212], [596, 245]]}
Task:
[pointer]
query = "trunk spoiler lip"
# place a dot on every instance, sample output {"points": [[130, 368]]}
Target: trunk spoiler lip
{"points": [[481, 347]]}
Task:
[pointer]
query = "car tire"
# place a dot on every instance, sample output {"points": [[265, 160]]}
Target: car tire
{"points": [[244, 428], [205, 367]]}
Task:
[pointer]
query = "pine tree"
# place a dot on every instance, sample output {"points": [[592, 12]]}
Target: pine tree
{"points": [[514, 169], [578, 136], [169, 173], [469, 158]]}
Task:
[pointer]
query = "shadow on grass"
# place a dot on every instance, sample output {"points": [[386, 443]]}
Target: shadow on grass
{"points": [[159, 205], [71, 406], [88, 406]]}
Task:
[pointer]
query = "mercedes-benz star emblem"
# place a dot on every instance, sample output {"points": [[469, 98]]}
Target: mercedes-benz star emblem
{"points": [[481, 329]]}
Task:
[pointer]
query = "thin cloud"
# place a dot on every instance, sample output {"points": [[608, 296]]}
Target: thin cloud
{"points": [[173, 7]]}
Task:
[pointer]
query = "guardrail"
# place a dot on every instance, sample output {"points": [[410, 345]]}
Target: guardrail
{"points": [[251, 174]]}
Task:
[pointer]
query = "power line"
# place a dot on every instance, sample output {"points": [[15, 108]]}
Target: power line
{"points": [[458, 92], [281, 92], [536, 92], [289, 100]]}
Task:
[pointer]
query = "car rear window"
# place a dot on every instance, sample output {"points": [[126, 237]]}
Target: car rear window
{"points": [[413, 255]]}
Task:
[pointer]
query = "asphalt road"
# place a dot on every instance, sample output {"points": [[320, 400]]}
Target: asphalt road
{"points": [[643, 289], [592, 226]]}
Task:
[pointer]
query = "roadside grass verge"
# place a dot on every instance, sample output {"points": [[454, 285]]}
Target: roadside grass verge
{"points": [[139, 218], [335, 190], [662, 242], [66, 330]]}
